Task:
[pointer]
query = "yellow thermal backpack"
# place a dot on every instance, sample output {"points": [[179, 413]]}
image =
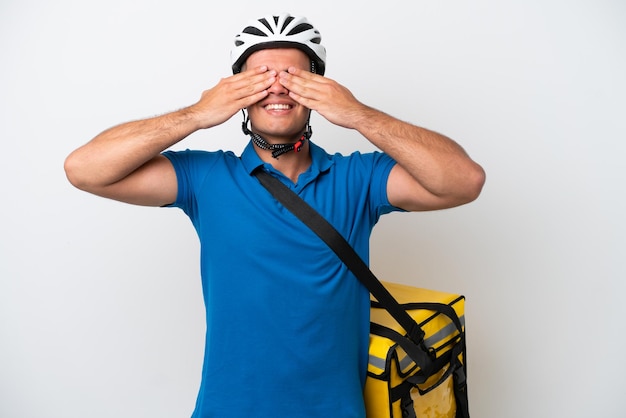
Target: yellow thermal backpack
{"points": [[400, 384]]}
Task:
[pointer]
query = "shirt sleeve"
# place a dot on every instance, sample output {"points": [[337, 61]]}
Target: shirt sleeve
{"points": [[191, 168], [381, 167]]}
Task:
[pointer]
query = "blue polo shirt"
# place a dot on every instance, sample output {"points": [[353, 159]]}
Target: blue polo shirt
{"points": [[287, 323]]}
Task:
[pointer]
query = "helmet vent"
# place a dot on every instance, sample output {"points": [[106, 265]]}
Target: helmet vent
{"points": [[287, 22], [300, 28], [254, 31], [266, 24]]}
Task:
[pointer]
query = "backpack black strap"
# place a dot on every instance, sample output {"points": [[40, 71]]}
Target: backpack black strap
{"points": [[343, 249]]}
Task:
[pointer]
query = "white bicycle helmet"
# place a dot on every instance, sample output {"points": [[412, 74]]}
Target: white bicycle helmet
{"points": [[282, 31]]}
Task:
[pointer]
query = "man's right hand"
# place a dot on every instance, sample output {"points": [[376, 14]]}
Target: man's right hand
{"points": [[232, 94]]}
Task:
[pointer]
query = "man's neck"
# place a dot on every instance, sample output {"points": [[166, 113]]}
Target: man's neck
{"points": [[290, 164]]}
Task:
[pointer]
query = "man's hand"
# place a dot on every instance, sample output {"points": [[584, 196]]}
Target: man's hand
{"points": [[324, 95], [232, 94]]}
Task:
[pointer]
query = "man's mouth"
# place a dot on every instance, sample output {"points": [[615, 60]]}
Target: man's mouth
{"points": [[277, 106]]}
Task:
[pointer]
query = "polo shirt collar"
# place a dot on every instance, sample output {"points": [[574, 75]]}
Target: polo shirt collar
{"points": [[320, 160]]}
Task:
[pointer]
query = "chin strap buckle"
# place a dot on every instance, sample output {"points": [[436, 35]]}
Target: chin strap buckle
{"points": [[298, 145]]}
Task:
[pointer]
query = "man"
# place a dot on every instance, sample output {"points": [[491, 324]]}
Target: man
{"points": [[287, 323]]}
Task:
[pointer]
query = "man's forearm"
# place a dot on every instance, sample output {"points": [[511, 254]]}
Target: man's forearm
{"points": [[437, 162], [120, 150]]}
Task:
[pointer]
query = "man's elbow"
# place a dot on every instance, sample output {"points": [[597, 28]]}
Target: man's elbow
{"points": [[77, 172], [475, 180], [71, 171]]}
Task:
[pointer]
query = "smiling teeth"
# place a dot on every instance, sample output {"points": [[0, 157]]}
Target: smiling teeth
{"points": [[277, 107]]}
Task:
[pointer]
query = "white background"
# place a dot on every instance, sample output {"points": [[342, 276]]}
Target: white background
{"points": [[100, 306]]}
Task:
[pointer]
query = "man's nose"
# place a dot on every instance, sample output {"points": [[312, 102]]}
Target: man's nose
{"points": [[277, 88]]}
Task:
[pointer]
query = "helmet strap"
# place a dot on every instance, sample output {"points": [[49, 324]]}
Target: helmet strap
{"points": [[277, 149]]}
